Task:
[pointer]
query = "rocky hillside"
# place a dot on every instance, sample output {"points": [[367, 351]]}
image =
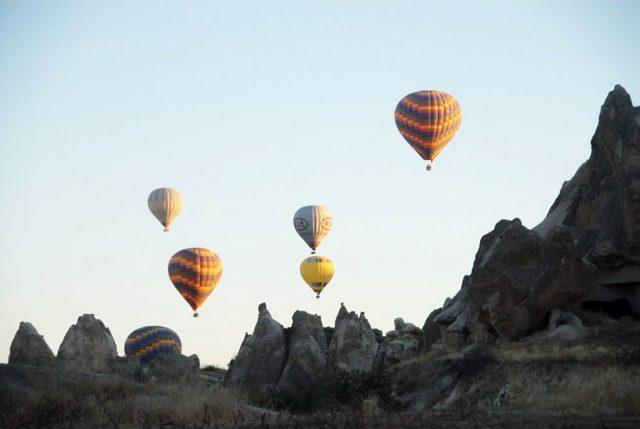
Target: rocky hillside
{"points": [[544, 331], [585, 252], [541, 297]]}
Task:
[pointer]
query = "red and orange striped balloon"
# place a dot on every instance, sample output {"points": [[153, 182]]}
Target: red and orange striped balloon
{"points": [[195, 273], [428, 120]]}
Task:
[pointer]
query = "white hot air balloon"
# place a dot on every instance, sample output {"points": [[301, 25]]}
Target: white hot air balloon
{"points": [[165, 204], [312, 223]]}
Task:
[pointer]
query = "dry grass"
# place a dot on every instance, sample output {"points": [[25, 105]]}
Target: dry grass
{"points": [[115, 402], [439, 352], [177, 405], [522, 353], [529, 353], [581, 390]]}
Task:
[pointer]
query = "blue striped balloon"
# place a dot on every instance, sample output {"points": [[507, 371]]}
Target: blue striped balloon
{"points": [[150, 341]]}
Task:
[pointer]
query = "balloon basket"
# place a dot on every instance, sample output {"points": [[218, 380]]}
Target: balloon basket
{"points": [[196, 315], [166, 230]]}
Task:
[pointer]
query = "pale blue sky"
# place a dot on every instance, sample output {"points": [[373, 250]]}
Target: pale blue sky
{"points": [[253, 109]]}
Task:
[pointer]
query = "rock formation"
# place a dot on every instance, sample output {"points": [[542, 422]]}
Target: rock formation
{"points": [[87, 346], [29, 348], [261, 358], [587, 246], [565, 326], [295, 361], [431, 331], [306, 361], [517, 278], [403, 343], [396, 348], [353, 345], [127, 367], [172, 368], [600, 204]]}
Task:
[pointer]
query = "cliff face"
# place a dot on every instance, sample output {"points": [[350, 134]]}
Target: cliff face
{"points": [[517, 278], [587, 249], [602, 201], [87, 346], [301, 362], [29, 348], [262, 355]]}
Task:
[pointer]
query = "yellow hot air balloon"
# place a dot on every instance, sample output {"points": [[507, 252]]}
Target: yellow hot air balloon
{"points": [[195, 273], [428, 120], [317, 271], [165, 204]]}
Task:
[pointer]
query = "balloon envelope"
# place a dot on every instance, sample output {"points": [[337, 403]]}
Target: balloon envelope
{"points": [[428, 120], [165, 204], [317, 271], [312, 223], [195, 272], [150, 341]]}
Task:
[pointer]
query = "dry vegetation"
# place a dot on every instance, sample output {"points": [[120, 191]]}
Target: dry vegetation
{"points": [[528, 352], [585, 390], [115, 402], [597, 377], [568, 385], [600, 375]]}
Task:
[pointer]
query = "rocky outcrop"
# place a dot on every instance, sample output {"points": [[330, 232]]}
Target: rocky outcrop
{"points": [[87, 346], [401, 327], [601, 202], [306, 362], [172, 368], [591, 236], [424, 384], [517, 278], [295, 362], [399, 345], [261, 358], [431, 331], [396, 349], [565, 326], [127, 367], [378, 334], [353, 345], [29, 348]]}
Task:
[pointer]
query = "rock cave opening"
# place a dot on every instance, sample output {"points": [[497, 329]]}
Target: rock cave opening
{"points": [[615, 309], [615, 300]]}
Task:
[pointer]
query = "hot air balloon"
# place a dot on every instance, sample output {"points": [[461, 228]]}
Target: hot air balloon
{"points": [[428, 120], [317, 271], [195, 273], [165, 204], [150, 341], [312, 223]]}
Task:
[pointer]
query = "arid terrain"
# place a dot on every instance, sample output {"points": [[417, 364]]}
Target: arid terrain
{"points": [[532, 383]]}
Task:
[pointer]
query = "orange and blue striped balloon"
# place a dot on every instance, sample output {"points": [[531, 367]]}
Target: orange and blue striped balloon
{"points": [[148, 342], [195, 273], [428, 120]]}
